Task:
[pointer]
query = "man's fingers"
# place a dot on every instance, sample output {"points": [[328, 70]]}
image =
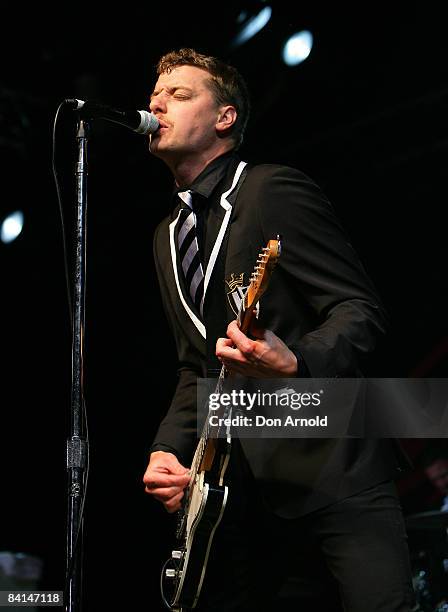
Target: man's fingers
{"points": [[174, 503], [245, 352], [247, 346], [157, 480], [165, 494], [238, 348], [235, 334], [229, 353], [221, 344]]}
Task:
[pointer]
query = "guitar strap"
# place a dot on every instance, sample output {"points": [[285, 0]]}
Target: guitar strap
{"points": [[215, 314]]}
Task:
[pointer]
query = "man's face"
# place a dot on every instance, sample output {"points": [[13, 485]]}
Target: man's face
{"points": [[437, 473], [187, 112]]}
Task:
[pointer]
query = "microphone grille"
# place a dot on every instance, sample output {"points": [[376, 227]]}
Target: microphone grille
{"points": [[148, 124]]}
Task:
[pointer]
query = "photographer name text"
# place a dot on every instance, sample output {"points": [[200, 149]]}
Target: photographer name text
{"points": [[262, 421]]}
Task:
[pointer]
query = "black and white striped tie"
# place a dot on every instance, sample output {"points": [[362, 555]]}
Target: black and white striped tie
{"points": [[189, 251]]}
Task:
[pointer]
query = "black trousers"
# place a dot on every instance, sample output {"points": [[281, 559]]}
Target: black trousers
{"points": [[350, 556]]}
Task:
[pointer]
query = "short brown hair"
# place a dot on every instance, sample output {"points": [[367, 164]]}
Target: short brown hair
{"points": [[228, 86]]}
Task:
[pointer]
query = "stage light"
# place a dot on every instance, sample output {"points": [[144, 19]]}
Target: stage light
{"points": [[297, 48], [11, 227], [253, 25]]}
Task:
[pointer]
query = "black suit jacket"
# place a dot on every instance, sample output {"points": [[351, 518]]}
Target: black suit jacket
{"points": [[320, 302]]}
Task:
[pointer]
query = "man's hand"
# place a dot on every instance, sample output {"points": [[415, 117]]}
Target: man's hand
{"points": [[265, 357], [165, 479]]}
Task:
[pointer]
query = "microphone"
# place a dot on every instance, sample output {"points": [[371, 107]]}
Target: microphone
{"points": [[140, 121]]}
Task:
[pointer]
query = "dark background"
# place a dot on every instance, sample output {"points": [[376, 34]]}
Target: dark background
{"points": [[365, 116]]}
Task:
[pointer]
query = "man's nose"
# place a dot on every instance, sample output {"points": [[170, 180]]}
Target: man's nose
{"points": [[157, 104]]}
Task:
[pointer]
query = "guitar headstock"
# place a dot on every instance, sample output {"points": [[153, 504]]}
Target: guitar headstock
{"points": [[260, 276]]}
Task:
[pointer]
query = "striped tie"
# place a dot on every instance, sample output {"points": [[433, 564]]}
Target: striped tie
{"points": [[189, 251]]}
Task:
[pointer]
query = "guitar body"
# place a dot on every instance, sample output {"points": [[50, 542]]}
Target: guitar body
{"points": [[206, 505]]}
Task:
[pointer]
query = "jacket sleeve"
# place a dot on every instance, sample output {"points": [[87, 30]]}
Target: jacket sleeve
{"points": [[177, 431], [320, 261]]}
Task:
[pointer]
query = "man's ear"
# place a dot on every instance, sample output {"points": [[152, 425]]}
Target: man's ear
{"points": [[226, 118]]}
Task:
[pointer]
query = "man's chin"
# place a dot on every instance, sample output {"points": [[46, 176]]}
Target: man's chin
{"points": [[164, 153], [154, 148]]}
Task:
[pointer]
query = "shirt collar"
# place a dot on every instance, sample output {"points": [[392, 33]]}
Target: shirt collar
{"points": [[208, 179]]}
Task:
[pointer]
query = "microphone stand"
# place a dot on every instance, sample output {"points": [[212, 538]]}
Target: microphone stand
{"points": [[77, 444]]}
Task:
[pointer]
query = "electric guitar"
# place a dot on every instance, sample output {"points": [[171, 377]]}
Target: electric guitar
{"points": [[206, 496]]}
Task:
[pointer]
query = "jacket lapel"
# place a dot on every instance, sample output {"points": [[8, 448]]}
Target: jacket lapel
{"points": [[227, 207], [179, 282]]}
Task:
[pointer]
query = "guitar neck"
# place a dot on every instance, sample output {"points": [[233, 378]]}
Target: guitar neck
{"points": [[245, 320]]}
